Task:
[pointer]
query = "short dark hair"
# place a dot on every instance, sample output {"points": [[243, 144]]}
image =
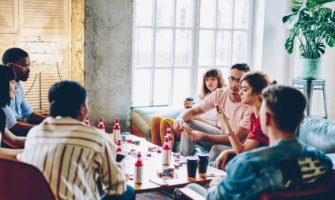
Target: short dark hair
{"points": [[6, 75], [241, 67], [13, 54], [287, 106], [65, 99]]}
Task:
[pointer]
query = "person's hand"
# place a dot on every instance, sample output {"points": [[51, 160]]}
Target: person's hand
{"points": [[178, 125], [17, 69], [223, 119], [21, 120], [215, 181], [193, 135], [221, 160]]}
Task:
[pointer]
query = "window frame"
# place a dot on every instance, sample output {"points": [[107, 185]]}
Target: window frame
{"points": [[195, 34]]}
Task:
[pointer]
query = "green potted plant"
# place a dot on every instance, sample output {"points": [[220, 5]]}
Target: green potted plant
{"points": [[313, 25]]}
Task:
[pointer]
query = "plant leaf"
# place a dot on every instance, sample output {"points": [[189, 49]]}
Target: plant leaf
{"points": [[291, 20], [330, 41], [297, 4], [320, 2], [289, 44]]}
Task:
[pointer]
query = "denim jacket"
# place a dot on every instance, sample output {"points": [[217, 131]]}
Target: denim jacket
{"points": [[287, 163]]}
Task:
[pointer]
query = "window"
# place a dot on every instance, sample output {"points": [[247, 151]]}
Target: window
{"points": [[41, 28], [175, 41]]}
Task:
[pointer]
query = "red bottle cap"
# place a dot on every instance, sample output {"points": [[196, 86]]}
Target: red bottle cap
{"points": [[139, 162], [101, 119], [166, 139], [166, 143], [117, 120]]}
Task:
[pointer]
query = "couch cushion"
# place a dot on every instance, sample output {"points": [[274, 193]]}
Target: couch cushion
{"points": [[318, 132], [141, 117]]}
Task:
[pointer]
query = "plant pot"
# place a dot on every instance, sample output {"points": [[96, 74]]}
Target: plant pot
{"points": [[309, 68]]}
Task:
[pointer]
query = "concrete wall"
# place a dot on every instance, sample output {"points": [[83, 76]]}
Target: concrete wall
{"points": [[108, 50]]}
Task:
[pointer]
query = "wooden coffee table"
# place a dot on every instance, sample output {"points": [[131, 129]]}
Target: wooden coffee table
{"points": [[153, 163]]}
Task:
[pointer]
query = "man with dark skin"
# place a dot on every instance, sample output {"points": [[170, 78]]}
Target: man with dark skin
{"points": [[20, 116]]}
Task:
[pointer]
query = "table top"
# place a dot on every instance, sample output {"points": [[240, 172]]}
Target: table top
{"points": [[153, 163]]}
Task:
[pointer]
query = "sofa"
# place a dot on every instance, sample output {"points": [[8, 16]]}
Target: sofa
{"points": [[141, 117], [315, 131], [318, 132]]}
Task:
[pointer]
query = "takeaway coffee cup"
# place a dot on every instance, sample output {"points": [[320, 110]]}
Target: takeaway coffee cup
{"points": [[192, 165], [203, 162], [189, 101]]}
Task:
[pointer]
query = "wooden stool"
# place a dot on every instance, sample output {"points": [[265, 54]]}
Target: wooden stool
{"points": [[308, 86]]}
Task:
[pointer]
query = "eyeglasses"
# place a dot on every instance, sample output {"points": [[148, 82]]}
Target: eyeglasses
{"points": [[233, 79], [24, 67]]}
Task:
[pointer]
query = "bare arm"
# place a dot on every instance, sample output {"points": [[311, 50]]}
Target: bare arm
{"points": [[250, 144], [36, 118], [190, 113], [234, 137], [12, 140], [240, 133], [186, 116], [9, 153], [21, 129]]}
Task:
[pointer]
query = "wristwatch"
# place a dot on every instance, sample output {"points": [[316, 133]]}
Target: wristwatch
{"points": [[230, 133]]}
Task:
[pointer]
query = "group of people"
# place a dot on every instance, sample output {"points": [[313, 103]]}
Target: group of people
{"points": [[83, 156], [257, 117], [249, 115]]}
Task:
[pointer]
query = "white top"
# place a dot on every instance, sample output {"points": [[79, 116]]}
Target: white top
{"points": [[210, 115]]}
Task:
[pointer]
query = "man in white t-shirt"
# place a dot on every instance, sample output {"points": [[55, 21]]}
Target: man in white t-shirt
{"points": [[227, 98]]}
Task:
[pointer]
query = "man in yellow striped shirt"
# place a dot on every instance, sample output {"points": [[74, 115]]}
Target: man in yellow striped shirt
{"points": [[71, 155]]}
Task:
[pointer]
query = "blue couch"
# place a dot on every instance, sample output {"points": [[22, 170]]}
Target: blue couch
{"points": [[318, 132]]}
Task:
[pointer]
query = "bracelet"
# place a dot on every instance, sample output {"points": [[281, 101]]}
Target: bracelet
{"points": [[230, 133]]}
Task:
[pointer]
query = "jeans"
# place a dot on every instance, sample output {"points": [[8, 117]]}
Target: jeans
{"points": [[187, 146]]}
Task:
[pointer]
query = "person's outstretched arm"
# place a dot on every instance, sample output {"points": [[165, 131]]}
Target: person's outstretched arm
{"points": [[36, 118], [21, 129], [13, 140]]}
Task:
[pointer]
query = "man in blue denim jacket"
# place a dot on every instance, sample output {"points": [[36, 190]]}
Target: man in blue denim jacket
{"points": [[286, 163]]}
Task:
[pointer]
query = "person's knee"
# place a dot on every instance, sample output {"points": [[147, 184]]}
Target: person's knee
{"points": [[215, 151], [156, 121], [186, 146], [192, 123], [166, 122]]}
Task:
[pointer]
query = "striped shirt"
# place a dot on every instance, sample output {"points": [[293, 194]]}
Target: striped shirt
{"points": [[72, 156]]}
